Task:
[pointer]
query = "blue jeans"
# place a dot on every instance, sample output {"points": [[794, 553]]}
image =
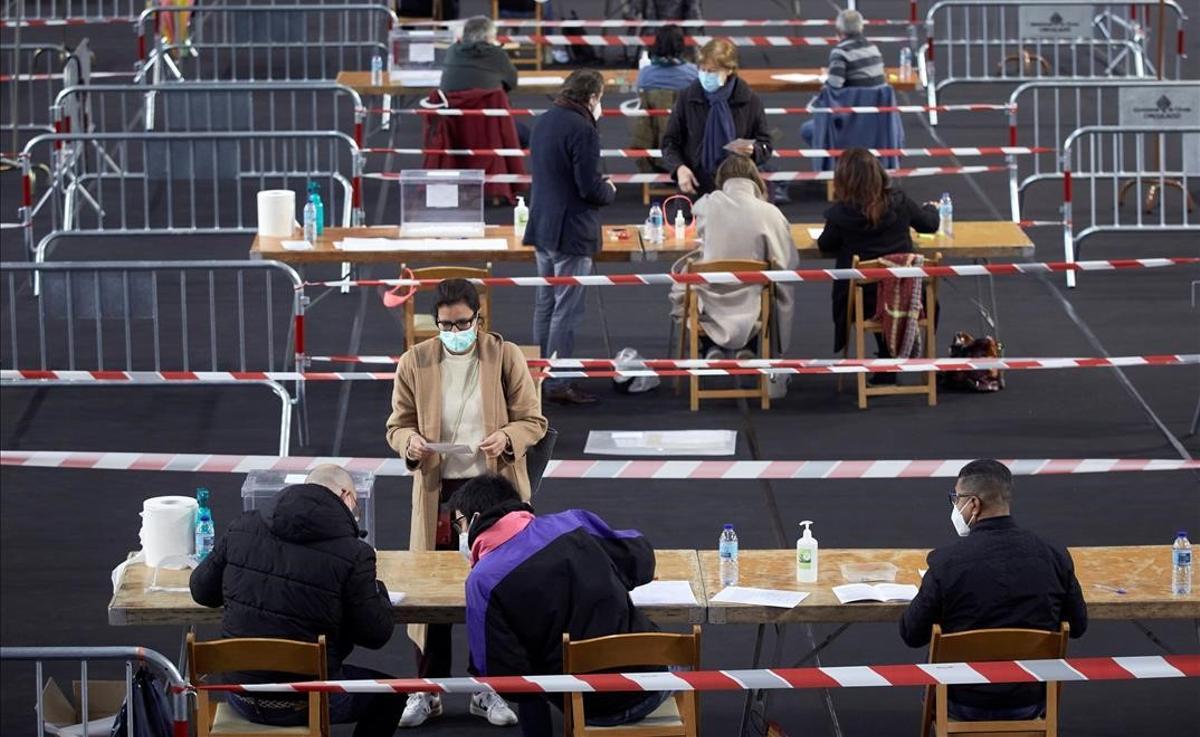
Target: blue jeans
{"points": [[964, 713], [375, 714], [806, 132], [558, 310]]}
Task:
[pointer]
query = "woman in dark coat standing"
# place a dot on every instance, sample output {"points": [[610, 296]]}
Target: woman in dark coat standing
{"points": [[712, 112], [870, 220]]}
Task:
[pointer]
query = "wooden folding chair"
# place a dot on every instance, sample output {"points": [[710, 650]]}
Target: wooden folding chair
{"points": [[538, 50], [255, 654], [420, 326], [677, 717], [987, 645], [857, 327], [691, 330]]}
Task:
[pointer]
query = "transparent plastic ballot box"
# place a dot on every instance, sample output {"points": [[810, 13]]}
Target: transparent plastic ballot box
{"points": [[441, 203], [412, 49], [260, 489]]}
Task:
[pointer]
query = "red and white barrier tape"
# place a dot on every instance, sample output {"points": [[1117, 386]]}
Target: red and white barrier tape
{"points": [[660, 470], [856, 676], [606, 368], [781, 153], [56, 22], [42, 77], [499, 112], [797, 275], [772, 176], [687, 23], [587, 39], [565, 368]]}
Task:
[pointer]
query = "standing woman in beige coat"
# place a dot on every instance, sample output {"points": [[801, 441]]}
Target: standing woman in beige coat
{"points": [[737, 222], [470, 388]]}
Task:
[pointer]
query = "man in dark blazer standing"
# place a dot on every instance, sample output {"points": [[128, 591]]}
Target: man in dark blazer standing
{"points": [[564, 218]]}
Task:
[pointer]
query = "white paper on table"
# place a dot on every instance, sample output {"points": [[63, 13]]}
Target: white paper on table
{"points": [[395, 597], [540, 80], [416, 77], [441, 195], [422, 244], [664, 593], [760, 597], [296, 245], [921, 572], [450, 448], [815, 233], [799, 78], [421, 53], [877, 592]]}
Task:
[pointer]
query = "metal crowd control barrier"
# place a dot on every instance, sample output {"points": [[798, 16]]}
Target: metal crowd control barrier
{"points": [[1106, 165], [1017, 40], [256, 42], [158, 316], [210, 106], [1043, 113], [31, 75], [181, 183], [69, 12], [177, 687]]}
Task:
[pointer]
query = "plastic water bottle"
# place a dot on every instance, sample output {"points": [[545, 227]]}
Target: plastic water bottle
{"points": [[727, 550], [643, 60], [946, 215], [680, 226], [205, 532], [314, 196], [656, 223], [1181, 565], [310, 222], [206, 536], [376, 70], [906, 64]]}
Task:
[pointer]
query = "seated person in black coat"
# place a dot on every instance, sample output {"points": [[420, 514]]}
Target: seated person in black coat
{"points": [[715, 110], [870, 220], [998, 575], [302, 573]]}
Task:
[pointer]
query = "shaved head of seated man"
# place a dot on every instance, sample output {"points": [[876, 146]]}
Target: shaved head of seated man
{"points": [[995, 575], [300, 573]]}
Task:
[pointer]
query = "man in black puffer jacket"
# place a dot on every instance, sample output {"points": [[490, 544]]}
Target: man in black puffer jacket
{"points": [[298, 575]]}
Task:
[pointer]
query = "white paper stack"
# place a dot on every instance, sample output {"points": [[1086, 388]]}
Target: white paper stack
{"points": [[760, 597], [664, 593]]}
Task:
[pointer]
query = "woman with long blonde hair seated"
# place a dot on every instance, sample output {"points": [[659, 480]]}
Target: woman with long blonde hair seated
{"points": [[736, 221]]}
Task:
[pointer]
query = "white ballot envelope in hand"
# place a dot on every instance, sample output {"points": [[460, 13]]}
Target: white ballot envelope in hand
{"points": [[738, 145], [450, 448]]}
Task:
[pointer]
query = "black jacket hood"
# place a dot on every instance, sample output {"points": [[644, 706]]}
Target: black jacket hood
{"points": [[307, 513]]}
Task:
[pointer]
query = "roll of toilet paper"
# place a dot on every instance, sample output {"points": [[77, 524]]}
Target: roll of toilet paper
{"points": [[276, 212], [168, 530]]}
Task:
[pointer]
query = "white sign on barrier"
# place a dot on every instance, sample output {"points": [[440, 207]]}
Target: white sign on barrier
{"points": [[1052, 21], [1161, 107], [1191, 154]]}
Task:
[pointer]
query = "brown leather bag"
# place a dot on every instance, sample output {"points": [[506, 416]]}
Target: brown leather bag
{"points": [[985, 380]]}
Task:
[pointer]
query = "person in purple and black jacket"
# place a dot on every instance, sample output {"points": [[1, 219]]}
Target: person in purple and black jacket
{"points": [[534, 578]]}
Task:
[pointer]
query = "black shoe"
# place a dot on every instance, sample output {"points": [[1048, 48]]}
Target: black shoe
{"points": [[570, 395]]}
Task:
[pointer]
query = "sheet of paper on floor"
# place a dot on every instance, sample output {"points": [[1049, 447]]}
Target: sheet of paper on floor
{"points": [[660, 442], [664, 593], [760, 597], [422, 244]]}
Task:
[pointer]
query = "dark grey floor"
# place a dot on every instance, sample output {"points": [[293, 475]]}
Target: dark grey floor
{"points": [[62, 531]]}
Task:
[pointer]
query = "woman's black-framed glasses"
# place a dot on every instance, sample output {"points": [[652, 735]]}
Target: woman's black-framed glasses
{"points": [[448, 325]]}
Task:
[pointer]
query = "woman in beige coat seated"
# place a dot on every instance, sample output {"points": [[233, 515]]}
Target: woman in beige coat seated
{"points": [[737, 222], [466, 388]]}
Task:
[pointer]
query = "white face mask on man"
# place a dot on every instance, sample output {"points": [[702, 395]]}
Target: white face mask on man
{"points": [[464, 548], [960, 525], [597, 111]]}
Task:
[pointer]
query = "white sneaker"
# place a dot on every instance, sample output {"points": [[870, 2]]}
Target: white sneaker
{"points": [[492, 707], [420, 708]]}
